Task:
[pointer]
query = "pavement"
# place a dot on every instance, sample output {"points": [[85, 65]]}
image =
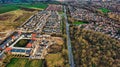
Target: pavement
{"points": [[16, 41], [71, 59]]}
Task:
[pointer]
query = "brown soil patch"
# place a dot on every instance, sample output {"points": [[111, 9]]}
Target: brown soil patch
{"points": [[55, 48], [11, 20], [18, 18], [2, 34], [55, 60], [58, 40], [5, 17], [23, 17]]}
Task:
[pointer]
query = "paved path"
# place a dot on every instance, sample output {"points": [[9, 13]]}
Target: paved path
{"points": [[71, 59], [16, 41]]}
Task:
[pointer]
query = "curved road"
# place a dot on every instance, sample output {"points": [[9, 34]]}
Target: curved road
{"points": [[71, 59]]}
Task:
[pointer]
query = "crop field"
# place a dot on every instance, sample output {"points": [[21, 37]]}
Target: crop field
{"points": [[22, 43], [104, 10], [24, 62], [40, 6], [11, 7], [7, 8]]}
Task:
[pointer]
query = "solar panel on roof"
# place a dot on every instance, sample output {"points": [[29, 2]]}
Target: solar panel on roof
{"points": [[28, 51], [21, 50], [16, 34]]}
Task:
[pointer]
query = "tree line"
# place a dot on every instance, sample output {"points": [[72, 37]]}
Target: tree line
{"points": [[94, 49]]}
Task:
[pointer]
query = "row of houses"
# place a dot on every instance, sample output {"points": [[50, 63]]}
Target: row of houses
{"points": [[9, 40], [19, 51]]}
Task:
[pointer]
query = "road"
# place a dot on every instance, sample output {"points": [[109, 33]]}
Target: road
{"points": [[71, 59]]}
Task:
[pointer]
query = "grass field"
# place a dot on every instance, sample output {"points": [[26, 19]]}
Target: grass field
{"points": [[23, 62], [11, 7], [22, 43], [78, 23], [104, 10], [7, 8], [40, 5], [57, 61]]}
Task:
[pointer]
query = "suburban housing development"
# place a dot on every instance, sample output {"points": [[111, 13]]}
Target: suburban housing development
{"points": [[59, 33]]}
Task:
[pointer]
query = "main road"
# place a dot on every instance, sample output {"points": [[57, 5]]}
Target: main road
{"points": [[70, 54]]}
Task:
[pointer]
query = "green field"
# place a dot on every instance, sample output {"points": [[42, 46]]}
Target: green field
{"points": [[104, 10], [7, 8], [11, 7], [40, 5], [23, 62], [78, 23], [22, 43]]}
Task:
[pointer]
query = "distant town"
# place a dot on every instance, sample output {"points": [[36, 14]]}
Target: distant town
{"points": [[59, 33]]}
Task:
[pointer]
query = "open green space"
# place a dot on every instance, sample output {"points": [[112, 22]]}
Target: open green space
{"points": [[79, 22], [11, 7], [24, 62], [104, 10], [22, 43], [39, 5], [7, 8]]}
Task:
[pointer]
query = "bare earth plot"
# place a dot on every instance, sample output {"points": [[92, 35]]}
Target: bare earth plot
{"points": [[13, 19], [57, 59]]}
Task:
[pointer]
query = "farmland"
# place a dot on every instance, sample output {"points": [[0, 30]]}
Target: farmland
{"points": [[23, 62], [11, 7], [7, 8], [39, 6]]}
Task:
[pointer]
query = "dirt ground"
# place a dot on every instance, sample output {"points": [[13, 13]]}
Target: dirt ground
{"points": [[58, 40], [2, 35], [4, 17], [11, 20], [54, 60]]}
